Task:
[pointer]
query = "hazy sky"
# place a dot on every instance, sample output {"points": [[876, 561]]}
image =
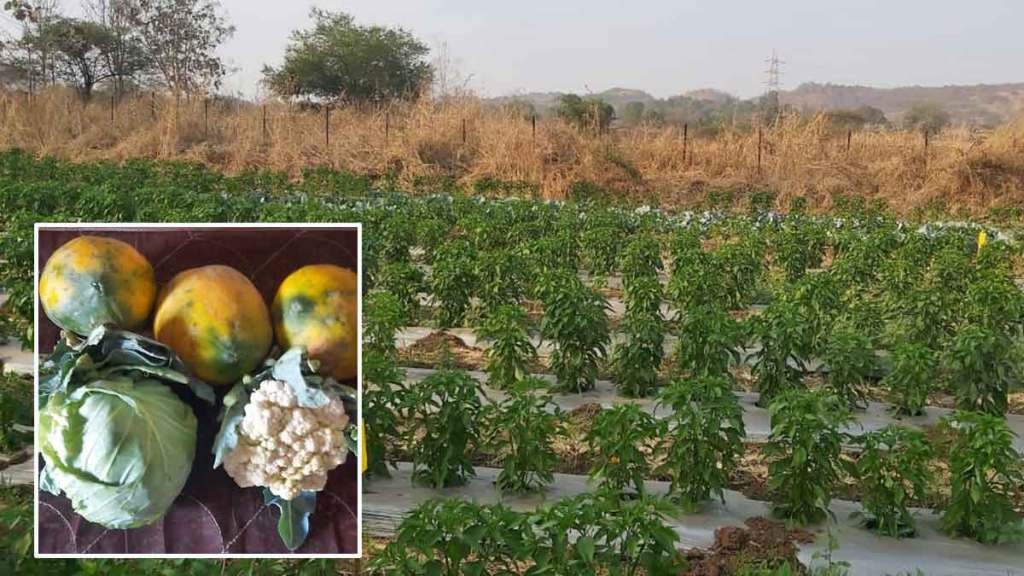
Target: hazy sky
{"points": [[670, 46]]}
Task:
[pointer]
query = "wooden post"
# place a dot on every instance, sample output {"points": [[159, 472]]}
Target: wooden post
{"points": [[152, 104], [533, 124], [849, 137], [463, 131], [926, 140], [686, 137], [327, 126], [759, 140]]}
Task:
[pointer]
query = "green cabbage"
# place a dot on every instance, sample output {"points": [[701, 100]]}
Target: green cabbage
{"points": [[120, 449]]}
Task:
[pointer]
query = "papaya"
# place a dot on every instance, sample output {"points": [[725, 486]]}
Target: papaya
{"points": [[94, 280], [316, 307], [216, 321]]}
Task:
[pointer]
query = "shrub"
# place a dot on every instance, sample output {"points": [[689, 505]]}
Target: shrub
{"points": [[914, 370], [617, 440], [575, 319], [522, 430], [985, 471], [511, 352], [893, 469], [804, 451], [704, 439], [444, 412]]}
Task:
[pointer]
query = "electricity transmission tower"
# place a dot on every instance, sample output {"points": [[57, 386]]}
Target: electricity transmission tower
{"points": [[773, 73]]}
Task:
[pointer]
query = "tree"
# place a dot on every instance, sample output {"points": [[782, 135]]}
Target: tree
{"points": [[77, 48], [339, 59], [180, 37], [585, 113], [926, 117], [633, 112], [123, 56]]}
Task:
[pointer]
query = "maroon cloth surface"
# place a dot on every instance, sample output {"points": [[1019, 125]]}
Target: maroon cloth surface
{"points": [[212, 515]]}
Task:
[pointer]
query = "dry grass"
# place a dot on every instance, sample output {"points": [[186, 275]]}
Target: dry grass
{"points": [[961, 169]]}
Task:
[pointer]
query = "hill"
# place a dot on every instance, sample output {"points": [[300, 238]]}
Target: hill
{"points": [[977, 105], [981, 104]]}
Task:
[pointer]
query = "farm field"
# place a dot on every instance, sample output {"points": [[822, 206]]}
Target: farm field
{"points": [[658, 383]]}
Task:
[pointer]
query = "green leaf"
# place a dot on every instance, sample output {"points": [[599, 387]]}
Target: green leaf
{"points": [[230, 417], [585, 546], [293, 525]]}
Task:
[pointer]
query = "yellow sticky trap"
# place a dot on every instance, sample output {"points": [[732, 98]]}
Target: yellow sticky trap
{"points": [[362, 448], [982, 239]]}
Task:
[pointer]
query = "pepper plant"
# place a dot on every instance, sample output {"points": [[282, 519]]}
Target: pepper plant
{"points": [[636, 360], [779, 364], [704, 440], [602, 533], [523, 428], [804, 450], [511, 353], [452, 281], [915, 369], [985, 471], [383, 392], [894, 468], [575, 320], [981, 369], [454, 537], [798, 244], [710, 340], [405, 281], [851, 361], [617, 440], [500, 277], [641, 258], [444, 412], [382, 317]]}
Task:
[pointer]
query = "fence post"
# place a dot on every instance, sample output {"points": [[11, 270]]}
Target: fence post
{"points": [[533, 124], [686, 138], [327, 126], [463, 131], [759, 140], [152, 104], [849, 137], [926, 140]]}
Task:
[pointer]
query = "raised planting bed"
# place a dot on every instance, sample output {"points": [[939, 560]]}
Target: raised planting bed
{"points": [[387, 501]]}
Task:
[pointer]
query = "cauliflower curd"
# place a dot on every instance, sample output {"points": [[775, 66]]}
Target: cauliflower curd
{"points": [[286, 447]]}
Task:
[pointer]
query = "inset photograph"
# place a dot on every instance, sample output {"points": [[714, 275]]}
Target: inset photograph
{"points": [[198, 390]]}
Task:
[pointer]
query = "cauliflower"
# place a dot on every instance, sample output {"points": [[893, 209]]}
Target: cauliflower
{"points": [[286, 447]]}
